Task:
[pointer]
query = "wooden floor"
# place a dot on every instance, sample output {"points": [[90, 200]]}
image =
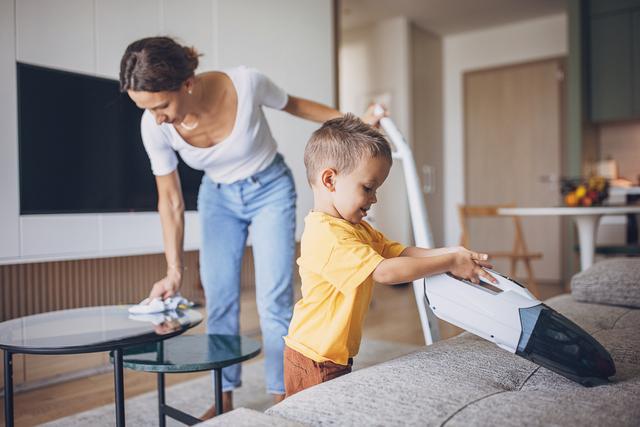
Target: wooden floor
{"points": [[393, 316]]}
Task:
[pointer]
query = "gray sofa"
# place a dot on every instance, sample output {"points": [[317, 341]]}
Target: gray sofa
{"points": [[469, 381]]}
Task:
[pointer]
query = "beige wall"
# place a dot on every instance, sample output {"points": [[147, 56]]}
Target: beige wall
{"points": [[621, 142], [374, 61], [427, 114], [402, 64], [520, 42]]}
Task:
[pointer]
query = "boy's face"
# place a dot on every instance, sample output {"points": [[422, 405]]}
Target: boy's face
{"points": [[353, 194]]}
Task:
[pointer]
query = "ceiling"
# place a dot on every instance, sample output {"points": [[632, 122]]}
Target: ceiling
{"points": [[445, 17]]}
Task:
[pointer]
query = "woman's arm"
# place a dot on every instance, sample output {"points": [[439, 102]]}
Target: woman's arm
{"points": [[310, 110], [171, 209], [320, 113]]}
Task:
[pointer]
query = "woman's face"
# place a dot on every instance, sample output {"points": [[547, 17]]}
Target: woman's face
{"points": [[167, 107]]}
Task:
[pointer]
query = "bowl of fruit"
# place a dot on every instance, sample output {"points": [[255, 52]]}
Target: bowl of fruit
{"points": [[592, 191]]}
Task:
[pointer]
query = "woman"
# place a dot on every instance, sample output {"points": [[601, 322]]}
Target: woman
{"points": [[214, 120]]}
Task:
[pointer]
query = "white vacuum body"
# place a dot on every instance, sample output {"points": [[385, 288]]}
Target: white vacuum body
{"points": [[508, 315]]}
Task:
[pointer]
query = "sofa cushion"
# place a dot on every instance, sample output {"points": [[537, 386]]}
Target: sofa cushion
{"points": [[422, 388], [590, 317], [469, 381], [613, 281], [550, 400]]}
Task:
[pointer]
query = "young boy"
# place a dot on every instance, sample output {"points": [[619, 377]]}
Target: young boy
{"points": [[342, 255]]}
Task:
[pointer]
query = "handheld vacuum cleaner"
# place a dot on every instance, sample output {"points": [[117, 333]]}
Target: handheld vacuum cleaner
{"points": [[509, 316], [505, 313]]}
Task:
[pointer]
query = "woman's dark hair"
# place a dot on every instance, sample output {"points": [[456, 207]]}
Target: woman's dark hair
{"points": [[156, 64]]}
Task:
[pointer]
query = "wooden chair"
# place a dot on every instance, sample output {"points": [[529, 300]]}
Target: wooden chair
{"points": [[519, 251]]}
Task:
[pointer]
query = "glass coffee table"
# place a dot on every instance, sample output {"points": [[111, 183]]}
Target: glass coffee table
{"points": [[85, 330], [190, 353]]}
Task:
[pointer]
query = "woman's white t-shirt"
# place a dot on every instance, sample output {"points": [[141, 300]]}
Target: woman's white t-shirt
{"points": [[248, 149]]}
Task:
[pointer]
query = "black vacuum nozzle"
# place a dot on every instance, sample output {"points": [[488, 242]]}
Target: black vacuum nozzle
{"points": [[551, 340]]}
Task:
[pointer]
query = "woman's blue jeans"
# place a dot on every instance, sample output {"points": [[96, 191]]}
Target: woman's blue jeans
{"points": [[265, 201]]}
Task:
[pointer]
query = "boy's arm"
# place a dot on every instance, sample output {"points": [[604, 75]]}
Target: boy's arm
{"points": [[414, 251], [464, 264], [403, 269]]}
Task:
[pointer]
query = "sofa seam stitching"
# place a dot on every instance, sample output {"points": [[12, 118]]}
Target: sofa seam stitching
{"points": [[489, 395], [469, 404], [615, 322], [620, 317], [528, 378]]}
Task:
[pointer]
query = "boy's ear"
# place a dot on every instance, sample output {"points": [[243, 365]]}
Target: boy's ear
{"points": [[328, 179]]}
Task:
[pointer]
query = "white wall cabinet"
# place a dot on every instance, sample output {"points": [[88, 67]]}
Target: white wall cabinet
{"points": [[289, 40], [118, 23], [192, 21], [59, 234], [56, 33], [296, 50]]}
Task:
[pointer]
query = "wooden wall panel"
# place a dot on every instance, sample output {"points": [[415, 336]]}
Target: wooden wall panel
{"points": [[27, 289]]}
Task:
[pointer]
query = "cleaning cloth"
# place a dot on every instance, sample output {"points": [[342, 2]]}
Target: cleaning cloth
{"points": [[158, 318], [157, 305]]}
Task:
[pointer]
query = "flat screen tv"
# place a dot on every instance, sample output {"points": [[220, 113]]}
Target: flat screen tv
{"points": [[80, 148]]}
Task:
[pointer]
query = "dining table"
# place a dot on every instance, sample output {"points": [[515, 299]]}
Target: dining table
{"points": [[586, 219]]}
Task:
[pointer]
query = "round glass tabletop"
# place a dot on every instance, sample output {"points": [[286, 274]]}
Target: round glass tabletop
{"points": [[90, 329], [191, 353]]}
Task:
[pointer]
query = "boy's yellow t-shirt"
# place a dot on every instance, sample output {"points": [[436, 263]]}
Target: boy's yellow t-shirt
{"points": [[336, 262]]}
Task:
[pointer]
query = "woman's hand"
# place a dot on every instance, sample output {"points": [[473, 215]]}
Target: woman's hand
{"points": [[167, 286], [372, 118], [470, 265]]}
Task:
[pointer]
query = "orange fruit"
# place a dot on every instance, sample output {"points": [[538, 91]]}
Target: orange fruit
{"points": [[571, 199]]}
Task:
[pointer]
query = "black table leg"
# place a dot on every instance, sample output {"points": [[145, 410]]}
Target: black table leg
{"points": [[161, 400], [632, 229], [119, 385], [218, 392], [162, 419], [8, 388]]}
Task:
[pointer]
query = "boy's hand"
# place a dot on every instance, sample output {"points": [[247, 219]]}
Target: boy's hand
{"points": [[469, 265]]}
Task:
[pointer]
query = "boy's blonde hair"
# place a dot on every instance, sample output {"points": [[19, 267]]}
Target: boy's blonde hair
{"points": [[341, 144]]}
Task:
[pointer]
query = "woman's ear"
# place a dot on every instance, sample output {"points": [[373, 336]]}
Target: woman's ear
{"points": [[188, 85], [328, 179]]}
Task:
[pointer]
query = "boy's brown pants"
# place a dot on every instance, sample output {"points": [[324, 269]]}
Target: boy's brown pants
{"points": [[300, 372]]}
